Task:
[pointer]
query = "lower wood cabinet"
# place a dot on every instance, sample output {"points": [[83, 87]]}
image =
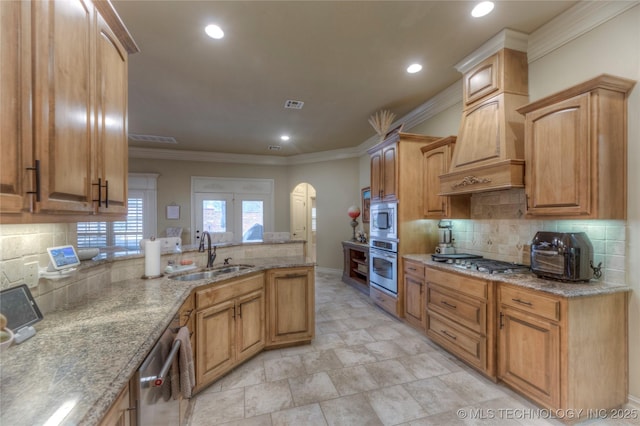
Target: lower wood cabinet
{"points": [[290, 295], [564, 353], [230, 326], [122, 411], [459, 317], [414, 294]]}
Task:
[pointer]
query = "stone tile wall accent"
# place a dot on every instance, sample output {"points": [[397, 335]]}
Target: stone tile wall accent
{"points": [[499, 230], [24, 244]]}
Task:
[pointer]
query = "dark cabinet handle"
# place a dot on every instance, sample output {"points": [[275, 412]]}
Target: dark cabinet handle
{"points": [[449, 305], [36, 169], [99, 185], [106, 187], [450, 336], [106, 193], [523, 302]]}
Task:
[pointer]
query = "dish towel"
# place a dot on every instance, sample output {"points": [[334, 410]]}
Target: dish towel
{"points": [[187, 370]]}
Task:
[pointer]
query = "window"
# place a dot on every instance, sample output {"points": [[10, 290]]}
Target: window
{"points": [[140, 222], [123, 234], [239, 207]]}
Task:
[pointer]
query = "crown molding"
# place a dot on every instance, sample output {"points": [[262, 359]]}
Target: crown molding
{"points": [[505, 39], [571, 24], [435, 105], [264, 160]]}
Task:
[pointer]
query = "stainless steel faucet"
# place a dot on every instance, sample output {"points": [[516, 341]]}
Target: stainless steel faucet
{"points": [[211, 255]]}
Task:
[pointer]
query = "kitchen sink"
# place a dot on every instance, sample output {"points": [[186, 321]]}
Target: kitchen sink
{"points": [[211, 273]]}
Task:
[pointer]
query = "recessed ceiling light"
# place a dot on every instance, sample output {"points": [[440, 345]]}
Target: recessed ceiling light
{"points": [[414, 68], [482, 9], [214, 31], [284, 137]]}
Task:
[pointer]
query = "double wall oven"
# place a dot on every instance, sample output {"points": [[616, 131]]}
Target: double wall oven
{"points": [[383, 250]]}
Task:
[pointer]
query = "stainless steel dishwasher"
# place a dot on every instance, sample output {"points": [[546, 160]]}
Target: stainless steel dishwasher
{"points": [[156, 405]]}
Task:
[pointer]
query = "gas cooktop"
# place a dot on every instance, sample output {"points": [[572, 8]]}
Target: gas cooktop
{"points": [[491, 266]]}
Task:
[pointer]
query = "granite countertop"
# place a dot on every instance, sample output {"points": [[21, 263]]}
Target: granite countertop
{"points": [[81, 358], [529, 280]]}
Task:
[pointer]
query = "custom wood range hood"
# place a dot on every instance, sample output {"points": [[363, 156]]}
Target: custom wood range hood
{"points": [[489, 152]]}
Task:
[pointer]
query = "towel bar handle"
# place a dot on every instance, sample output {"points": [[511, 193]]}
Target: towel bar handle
{"points": [[160, 378]]}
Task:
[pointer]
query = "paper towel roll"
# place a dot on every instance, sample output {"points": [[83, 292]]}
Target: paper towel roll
{"points": [[152, 258]]}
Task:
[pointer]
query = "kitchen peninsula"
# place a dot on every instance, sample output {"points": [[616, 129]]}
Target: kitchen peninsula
{"points": [[82, 357]]}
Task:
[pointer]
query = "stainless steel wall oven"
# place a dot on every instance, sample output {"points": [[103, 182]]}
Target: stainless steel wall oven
{"points": [[383, 265]]}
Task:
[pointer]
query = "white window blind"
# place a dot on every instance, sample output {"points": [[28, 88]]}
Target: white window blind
{"points": [[122, 234]]}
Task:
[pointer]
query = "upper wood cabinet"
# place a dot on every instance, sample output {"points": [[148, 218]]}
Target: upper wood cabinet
{"points": [[436, 161], [388, 178], [384, 186], [111, 153], [75, 161], [505, 71], [576, 151], [15, 87]]}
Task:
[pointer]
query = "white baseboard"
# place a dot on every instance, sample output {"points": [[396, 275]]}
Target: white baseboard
{"points": [[634, 402]]}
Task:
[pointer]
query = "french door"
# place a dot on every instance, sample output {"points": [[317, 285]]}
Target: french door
{"points": [[242, 214]]}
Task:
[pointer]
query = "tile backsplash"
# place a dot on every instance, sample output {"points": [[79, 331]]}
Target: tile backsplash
{"points": [[499, 230]]}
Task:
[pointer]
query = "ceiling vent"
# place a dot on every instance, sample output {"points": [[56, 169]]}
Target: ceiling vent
{"points": [[290, 104], [275, 147], [151, 138]]}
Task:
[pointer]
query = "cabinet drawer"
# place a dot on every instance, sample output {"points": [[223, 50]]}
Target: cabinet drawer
{"points": [[414, 268], [469, 346], [466, 311], [461, 284], [386, 302], [228, 290], [528, 301]]}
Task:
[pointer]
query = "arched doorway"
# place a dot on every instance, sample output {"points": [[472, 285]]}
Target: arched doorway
{"points": [[303, 216]]}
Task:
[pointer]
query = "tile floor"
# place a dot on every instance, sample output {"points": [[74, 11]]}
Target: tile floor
{"points": [[363, 368]]}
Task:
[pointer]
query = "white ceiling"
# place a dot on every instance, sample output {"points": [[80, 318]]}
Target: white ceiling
{"points": [[344, 59]]}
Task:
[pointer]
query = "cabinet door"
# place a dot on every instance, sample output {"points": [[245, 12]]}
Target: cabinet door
{"points": [[389, 173], [63, 103], [250, 329], [482, 80], [414, 301], [376, 176], [15, 134], [529, 355], [111, 120], [215, 338], [291, 316], [435, 163], [120, 412], [557, 154]]}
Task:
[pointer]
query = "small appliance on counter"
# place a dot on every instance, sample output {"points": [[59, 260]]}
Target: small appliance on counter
{"points": [[564, 256], [445, 239]]}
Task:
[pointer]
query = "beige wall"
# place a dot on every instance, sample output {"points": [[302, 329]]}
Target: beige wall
{"points": [[337, 188], [174, 186], [336, 184]]}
